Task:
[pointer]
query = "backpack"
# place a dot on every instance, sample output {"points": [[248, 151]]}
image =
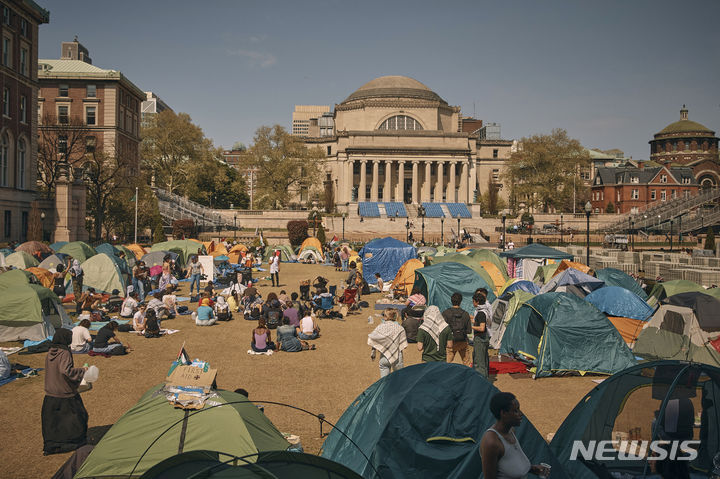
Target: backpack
{"points": [[274, 317], [455, 321]]}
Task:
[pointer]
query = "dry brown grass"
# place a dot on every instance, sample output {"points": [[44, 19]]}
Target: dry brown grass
{"points": [[322, 381]]}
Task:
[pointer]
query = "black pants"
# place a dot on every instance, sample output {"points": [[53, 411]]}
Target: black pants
{"points": [[275, 279], [64, 424]]}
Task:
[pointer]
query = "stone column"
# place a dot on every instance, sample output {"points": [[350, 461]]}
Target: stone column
{"points": [[464, 184], [472, 180], [415, 182], [451, 184], [375, 180], [400, 192], [387, 189], [439, 183], [349, 180], [426, 182], [363, 180]]}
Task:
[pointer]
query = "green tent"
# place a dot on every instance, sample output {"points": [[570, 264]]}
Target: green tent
{"points": [[21, 260], [103, 273], [286, 253], [130, 257], [615, 277], [545, 273], [29, 311], [185, 249], [563, 333], [78, 250], [438, 282], [714, 292], [57, 245], [15, 277], [443, 250], [472, 263], [670, 288], [488, 255], [535, 250], [235, 429], [504, 309]]}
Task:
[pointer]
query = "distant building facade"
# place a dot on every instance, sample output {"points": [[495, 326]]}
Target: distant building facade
{"points": [[239, 160], [152, 105], [303, 114], [19, 22]]}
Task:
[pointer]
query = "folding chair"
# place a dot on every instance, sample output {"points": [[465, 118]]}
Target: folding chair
{"points": [[349, 299], [332, 290], [325, 305]]}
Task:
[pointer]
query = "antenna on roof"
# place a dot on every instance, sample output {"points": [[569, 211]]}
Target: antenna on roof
{"points": [[76, 39]]}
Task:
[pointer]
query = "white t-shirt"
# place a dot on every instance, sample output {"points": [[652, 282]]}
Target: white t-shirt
{"points": [[306, 325], [128, 307], [139, 321], [80, 337], [170, 301], [275, 264]]}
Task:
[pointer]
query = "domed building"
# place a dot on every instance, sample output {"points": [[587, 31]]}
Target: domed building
{"points": [[688, 143], [396, 140]]}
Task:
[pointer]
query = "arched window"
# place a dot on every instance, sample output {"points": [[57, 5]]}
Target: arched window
{"points": [[21, 164], [4, 152], [400, 122]]}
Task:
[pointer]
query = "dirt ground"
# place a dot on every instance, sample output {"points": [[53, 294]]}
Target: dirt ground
{"points": [[323, 381]]}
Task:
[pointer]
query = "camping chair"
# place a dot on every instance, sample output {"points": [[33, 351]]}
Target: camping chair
{"points": [[324, 305], [349, 299], [332, 290]]}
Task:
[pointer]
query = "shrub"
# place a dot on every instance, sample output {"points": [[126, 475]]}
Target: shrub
{"points": [[610, 208], [710, 239], [183, 228], [321, 235], [297, 231], [158, 234]]}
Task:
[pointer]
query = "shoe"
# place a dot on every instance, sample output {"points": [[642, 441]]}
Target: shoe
{"points": [[313, 348]]}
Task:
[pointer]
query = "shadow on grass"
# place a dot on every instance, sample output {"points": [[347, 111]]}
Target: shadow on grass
{"points": [[96, 433]]}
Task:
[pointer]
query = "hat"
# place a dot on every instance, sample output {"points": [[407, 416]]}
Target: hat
{"points": [[115, 292], [205, 302]]}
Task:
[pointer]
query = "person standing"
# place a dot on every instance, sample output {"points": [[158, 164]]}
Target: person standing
{"points": [[195, 270], [64, 417], [275, 268], [388, 338], [59, 281], [434, 336], [459, 321], [140, 275], [344, 257], [481, 336], [77, 274]]}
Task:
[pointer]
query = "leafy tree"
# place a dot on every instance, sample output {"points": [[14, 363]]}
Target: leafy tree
{"points": [[285, 166], [297, 231], [120, 216], [710, 239], [321, 234], [543, 173], [610, 208], [214, 183], [159, 234], [183, 228], [67, 140]]}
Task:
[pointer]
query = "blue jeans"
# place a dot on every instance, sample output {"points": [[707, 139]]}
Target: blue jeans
{"points": [[139, 288], [304, 336], [344, 264], [193, 279]]}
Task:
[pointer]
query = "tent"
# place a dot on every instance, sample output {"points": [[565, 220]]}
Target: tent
{"points": [[676, 332], [503, 309], [237, 429], [615, 277], [107, 248], [705, 307], [545, 273], [234, 253], [310, 254], [626, 310], [130, 257], [21, 260], [156, 258], [185, 249], [35, 248], [515, 284], [566, 263], [426, 251], [385, 256], [670, 288], [52, 261], [15, 277], [405, 277], [468, 261], [443, 250], [626, 407], [43, 276], [29, 311], [573, 281], [218, 250], [424, 421], [78, 250], [563, 333], [488, 255], [523, 262], [438, 282], [2, 260], [312, 242], [498, 278], [286, 253], [103, 273], [138, 250], [57, 245]]}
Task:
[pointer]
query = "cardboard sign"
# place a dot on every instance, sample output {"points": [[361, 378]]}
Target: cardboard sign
{"points": [[190, 376], [208, 267]]}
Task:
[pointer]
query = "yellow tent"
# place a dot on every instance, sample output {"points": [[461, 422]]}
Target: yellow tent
{"points": [[495, 274], [314, 242], [44, 276], [209, 246], [219, 250], [234, 253], [356, 259], [405, 276], [565, 264], [137, 249], [628, 328]]}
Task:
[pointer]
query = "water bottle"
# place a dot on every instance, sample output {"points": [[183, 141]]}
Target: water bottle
{"points": [[91, 375], [370, 319]]}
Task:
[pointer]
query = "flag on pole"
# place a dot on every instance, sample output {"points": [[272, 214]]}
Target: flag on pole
{"points": [[183, 357], [334, 239], [262, 240], [134, 197]]}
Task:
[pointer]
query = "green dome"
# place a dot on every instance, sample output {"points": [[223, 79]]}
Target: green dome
{"points": [[685, 126]]}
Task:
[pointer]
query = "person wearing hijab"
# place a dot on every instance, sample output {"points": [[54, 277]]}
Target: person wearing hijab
{"points": [[388, 338], [76, 273], [433, 336], [204, 315], [64, 418], [222, 309]]}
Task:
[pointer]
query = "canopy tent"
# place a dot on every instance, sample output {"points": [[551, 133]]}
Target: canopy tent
{"points": [[468, 261], [563, 333], [52, 261], [35, 248], [21, 260], [503, 309], [572, 281], [488, 255], [617, 301], [670, 288], [385, 256], [286, 253], [438, 282], [57, 245], [238, 429], [628, 405], [545, 273], [78, 250], [405, 277], [138, 250], [566, 263], [514, 284], [424, 421], [312, 242], [43, 276], [185, 249], [615, 277], [29, 311], [523, 262], [674, 332]]}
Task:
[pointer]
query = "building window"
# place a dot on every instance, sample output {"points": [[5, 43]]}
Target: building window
{"points": [[687, 193], [400, 122], [6, 52], [23, 109], [673, 194], [663, 195], [24, 220], [635, 194], [6, 102], [602, 195], [686, 181], [91, 91], [63, 114], [24, 28], [653, 195], [496, 175], [90, 115], [618, 196], [6, 15], [7, 223], [4, 160], [634, 179], [21, 163], [63, 90], [329, 150], [90, 144], [495, 153], [62, 144], [663, 179]]}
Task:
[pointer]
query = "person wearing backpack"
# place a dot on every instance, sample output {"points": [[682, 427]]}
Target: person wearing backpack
{"points": [[459, 321]]}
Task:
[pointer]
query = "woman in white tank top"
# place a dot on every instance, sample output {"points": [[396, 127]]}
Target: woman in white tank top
{"points": [[502, 456]]}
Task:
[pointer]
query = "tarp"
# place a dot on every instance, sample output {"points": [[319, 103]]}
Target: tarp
{"points": [[238, 429], [488, 255], [629, 403], [566, 263], [617, 301], [385, 256], [78, 250], [21, 260], [670, 288], [312, 242], [103, 273], [424, 421], [573, 281], [185, 249], [563, 333], [35, 248], [51, 262], [615, 277], [472, 263], [438, 282], [405, 277], [44, 276], [535, 250]]}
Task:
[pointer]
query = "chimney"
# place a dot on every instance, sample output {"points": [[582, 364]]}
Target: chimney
{"points": [[683, 113], [74, 51], [641, 165]]}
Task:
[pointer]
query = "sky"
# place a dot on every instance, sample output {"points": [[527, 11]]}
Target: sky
{"points": [[612, 72]]}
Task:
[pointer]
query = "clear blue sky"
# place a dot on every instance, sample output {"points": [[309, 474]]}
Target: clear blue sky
{"points": [[612, 73]]}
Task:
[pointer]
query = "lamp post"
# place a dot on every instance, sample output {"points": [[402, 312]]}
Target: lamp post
{"points": [[421, 213], [343, 220], [632, 237], [458, 231], [671, 222], [235, 227], [502, 235], [407, 230], [561, 228], [442, 230], [42, 226], [588, 210], [314, 219], [203, 222]]}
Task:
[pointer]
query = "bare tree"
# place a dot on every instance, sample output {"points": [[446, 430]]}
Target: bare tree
{"points": [[59, 139]]}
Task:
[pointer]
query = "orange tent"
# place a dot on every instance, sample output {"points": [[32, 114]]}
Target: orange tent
{"points": [[311, 241], [44, 276], [137, 249], [565, 264], [234, 253], [495, 274], [405, 277], [219, 250], [628, 328], [209, 246]]}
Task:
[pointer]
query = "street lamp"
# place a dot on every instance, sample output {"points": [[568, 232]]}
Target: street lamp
{"points": [[561, 228], [502, 235], [343, 220], [42, 226], [671, 222], [632, 237], [235, 227], [588, 210], [407, 230], [442, 230], [421, 213]]}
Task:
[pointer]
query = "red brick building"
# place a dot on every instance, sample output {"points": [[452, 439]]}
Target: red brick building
{"points": [[628, 188]]}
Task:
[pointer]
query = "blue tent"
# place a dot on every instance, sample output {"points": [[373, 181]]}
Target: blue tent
{"points": [[425, 421], [615, 277], [573, 281], [535, 250], [107, 248], [385, 256], [523, 285], [438, 282], [57, 245], [618, 301]]}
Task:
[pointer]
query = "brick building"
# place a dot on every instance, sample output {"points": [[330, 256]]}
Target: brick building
{"points": [[629, 188], [19, 21]]}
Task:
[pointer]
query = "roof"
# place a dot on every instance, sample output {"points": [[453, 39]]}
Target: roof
{"points": [[78, 69], [394, 86], [685, 126], [624, 175]]}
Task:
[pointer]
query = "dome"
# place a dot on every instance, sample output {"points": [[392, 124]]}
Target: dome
{"points": [[395, 86], [685, 126]]}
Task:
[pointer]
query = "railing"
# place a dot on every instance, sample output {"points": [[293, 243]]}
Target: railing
{"points": [[174, 207]]}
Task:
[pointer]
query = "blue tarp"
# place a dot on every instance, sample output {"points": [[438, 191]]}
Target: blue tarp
{"points": [[618, 301], [438, 282], [385, 256], [425, 421]]}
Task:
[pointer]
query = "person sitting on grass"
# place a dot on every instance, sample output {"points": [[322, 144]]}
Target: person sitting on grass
{"points": [[157, 305], [81, 339], [292, 313], [107, 343], [222, 309], [233, 302], [114, 302], [287, 338], [169, 300], [308, 328], [138, 322], [152, 325], [204, 315], [379, 284], [129, 306], [89, 301], [261, 338]]}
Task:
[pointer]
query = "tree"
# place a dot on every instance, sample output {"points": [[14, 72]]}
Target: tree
{"points": [[214, 183], [297, 231], [120, 216], [159, 233], [66, 140], [610, 208], [710, 239], [544, 172], [285, 166]]}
